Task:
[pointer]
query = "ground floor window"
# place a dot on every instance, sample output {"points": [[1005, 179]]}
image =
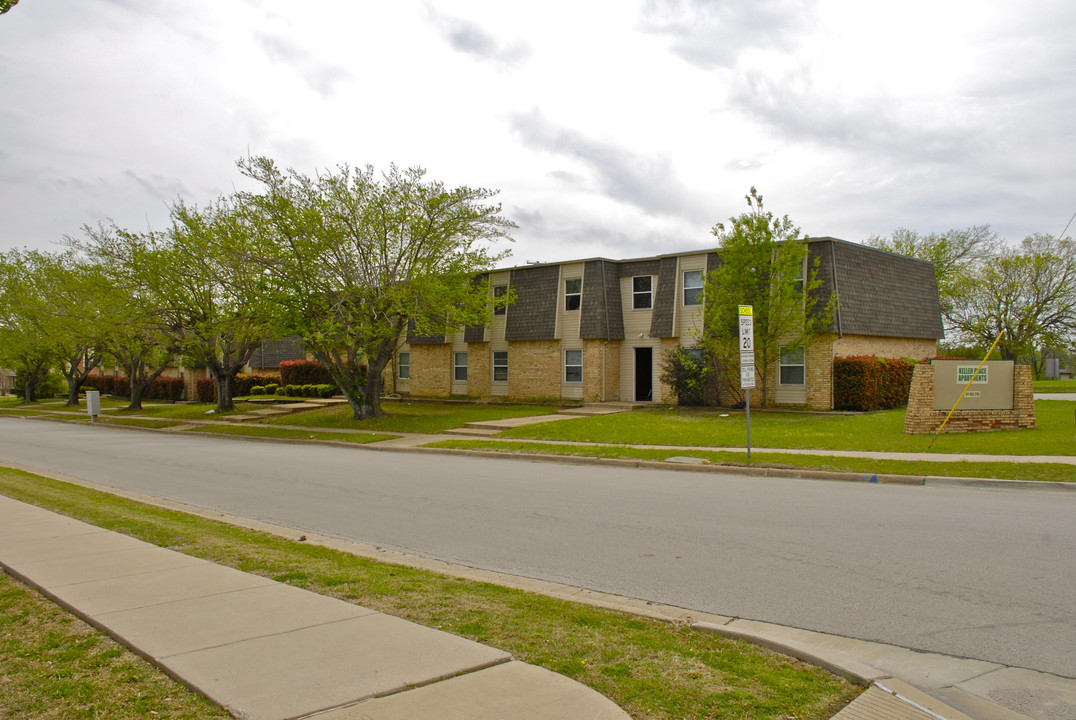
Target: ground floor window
{"points": [[500, 366], [793, 371], [573, 366], [403, 365], [459, 366]]}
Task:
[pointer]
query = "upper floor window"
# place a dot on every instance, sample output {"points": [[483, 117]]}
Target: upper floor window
{"points": [[573, 293], [693, 287], [793, 371], [801, 276], [499, 291], [642, 292]]}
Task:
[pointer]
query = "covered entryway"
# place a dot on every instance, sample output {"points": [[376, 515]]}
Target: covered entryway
{"points": [[644, 374]]}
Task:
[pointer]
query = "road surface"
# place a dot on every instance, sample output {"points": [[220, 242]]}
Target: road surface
{"points": [[985, 574]]}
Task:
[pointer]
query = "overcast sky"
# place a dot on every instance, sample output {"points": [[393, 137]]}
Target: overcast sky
{"points": [[612, 128]]}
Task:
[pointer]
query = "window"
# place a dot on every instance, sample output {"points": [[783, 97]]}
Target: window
{"points": [[573, 366], [642, 292], [500, 366], [695, 354], [792, 367], [403, 366], [573, 293], [800, 277], [498, 292], [693, 287], [459, 366]]}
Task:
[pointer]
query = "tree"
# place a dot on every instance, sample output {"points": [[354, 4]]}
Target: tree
{"points": [[215, 292], [6, 5], [1028, 292], [25, 344], [139, 331], [352, 260], [955, 255], [764, 264]]}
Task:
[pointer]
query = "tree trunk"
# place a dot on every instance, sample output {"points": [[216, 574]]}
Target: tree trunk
{"points": [[225, 382]]}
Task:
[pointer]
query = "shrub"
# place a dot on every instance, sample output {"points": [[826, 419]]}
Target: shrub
{"points": [[245, 383], [324, 391], [100, 383], [206, 390], [270, 389], [685, 373], [303, 372], [283, 390], [871, 383], [170, 389], [257, 390], [307, 390]]}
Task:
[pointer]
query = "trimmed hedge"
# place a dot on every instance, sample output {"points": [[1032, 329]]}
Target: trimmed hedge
{"points": [[206, 390], [170, 389], [304, 372], [244, 382], [871, 383]]}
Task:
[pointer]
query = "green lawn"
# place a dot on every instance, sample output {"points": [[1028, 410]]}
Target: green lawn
{"points": [[655, 670], [412, 416], [1055, 386], [1050, 472], [1055, 434], [292, 434]]}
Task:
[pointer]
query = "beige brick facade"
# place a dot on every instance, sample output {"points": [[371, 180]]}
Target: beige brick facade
{"points": [[923, 419], [535, 369], [884, 347], [601, 370], [431, 370], [479, 369]]}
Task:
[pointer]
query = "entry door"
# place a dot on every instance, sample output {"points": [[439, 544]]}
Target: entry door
{"points": [[644, 374]]}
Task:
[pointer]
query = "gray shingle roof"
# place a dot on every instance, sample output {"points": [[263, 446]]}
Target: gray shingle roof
{"points": [[273, 352], [533, 316], [879, 293]]}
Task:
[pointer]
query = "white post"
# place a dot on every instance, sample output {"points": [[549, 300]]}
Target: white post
{"points": [[747, 362]]}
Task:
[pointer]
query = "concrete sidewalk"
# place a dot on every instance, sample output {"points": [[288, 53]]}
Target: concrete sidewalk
{"points": [[263, 649]]}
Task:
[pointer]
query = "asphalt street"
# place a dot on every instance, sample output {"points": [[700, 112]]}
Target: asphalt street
{"points": [[981, 573]]}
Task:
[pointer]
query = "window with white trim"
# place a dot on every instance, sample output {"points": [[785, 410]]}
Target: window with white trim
{"points": [[642, 292], [573, 366], [793, 370], [459, 366], [403, 365], [500, 366], [693, 287], [499, 291], [573, 293]]}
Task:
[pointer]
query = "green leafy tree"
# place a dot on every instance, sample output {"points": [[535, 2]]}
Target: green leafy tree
{"points": [[764, 264], [1029, 292], [215, 292], [139, 330], [956, 255], [25, 343], [352, 260], [6, 5]]}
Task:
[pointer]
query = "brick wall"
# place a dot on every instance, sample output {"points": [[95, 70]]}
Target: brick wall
{"points": [[431, 370], [923, 419], [479, 369], [819, 369], [535, 368], [887, 347], [593, 353]]}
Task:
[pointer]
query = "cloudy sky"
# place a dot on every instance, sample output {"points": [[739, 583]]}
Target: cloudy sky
{"points": [[618, 128]]}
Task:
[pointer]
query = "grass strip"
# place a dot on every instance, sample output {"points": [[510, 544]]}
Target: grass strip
{"points": [[879, 431], [411, 416], [139, 422], [1050, 472], [653, 669], [56, 666], [291, 434]]}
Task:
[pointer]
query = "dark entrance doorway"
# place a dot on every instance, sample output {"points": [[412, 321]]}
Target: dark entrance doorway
{"points": [[644, 374]]}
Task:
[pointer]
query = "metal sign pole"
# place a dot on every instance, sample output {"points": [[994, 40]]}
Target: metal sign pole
{"points": [[747, 362]]}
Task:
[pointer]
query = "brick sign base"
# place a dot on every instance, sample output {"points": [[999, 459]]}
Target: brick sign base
{"points": [[923, 419]]}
